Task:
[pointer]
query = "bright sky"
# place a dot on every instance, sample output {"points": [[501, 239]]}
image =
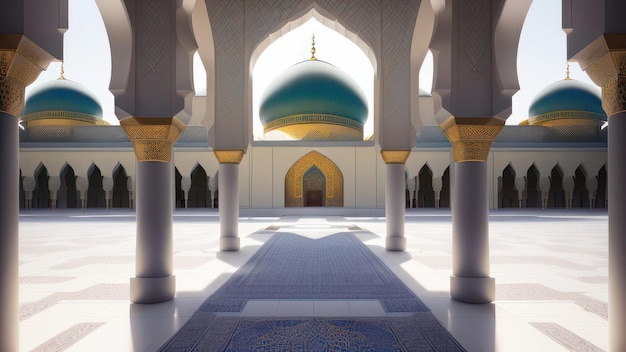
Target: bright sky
{"points": [[541, 59]]}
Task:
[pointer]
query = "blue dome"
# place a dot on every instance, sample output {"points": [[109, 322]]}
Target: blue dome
{"points": [[313, 87], [62, 95], [566, 99]]}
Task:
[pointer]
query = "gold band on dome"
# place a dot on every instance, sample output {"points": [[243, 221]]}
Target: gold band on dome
{"points": [[233, 156], [312, 118], [565, 114], [21, 62], [153, 137], [471, 137], [395, 156]]}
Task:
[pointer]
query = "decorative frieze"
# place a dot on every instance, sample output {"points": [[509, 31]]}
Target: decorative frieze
{"points": [[471, 137]]}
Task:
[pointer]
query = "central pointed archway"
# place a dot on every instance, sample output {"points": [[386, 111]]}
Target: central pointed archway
{"points": [[314, 180]]}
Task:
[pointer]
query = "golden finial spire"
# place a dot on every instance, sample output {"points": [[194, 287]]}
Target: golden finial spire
{"points": [[313, 48], [567, 72], [62, 70]]}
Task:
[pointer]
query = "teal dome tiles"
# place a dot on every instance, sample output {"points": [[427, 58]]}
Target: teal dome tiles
{"points": [[566, 99], [62, 95]]}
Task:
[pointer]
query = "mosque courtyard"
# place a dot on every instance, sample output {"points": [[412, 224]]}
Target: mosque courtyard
{"points": [[550, 269]]}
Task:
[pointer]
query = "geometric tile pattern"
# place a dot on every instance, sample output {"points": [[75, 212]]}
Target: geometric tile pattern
{"points": [[67, 338], [566, 338]]}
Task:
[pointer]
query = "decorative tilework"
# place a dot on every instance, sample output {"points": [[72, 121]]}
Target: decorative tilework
{"points": [[566, 338], [67, 338]]}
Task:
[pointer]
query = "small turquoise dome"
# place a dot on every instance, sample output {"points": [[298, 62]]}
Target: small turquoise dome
{"points": [[566, 99], [313, 87], [62, 98]]}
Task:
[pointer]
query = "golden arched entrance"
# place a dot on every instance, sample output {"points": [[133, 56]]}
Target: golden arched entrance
{"points": [[314, 180]]}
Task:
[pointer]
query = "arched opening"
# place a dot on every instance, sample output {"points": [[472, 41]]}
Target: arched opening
{"points": [[556, 197], [199, 189], [425, 194], [314, 185], [509, 193], [601, 192], [95, 193], [179, 200], [67, 197], [580, 198], [22, 192], [329, 173], [41, 194], [444, 197], [121, 197], [533, 192], [292, 44]]}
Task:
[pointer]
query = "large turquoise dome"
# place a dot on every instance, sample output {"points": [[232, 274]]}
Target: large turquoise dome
{"points": [[62, 99], [568, 99], [313, 92]]}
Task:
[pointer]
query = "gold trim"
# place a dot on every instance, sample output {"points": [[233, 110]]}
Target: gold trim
{"points": [[69, 115], [152, 137], [565, 114], [312, 118], [395, 156], [471, 137], [229, 156], [21, 62]]}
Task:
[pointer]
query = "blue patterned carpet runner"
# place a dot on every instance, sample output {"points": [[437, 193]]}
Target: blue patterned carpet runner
{"points": [[292, 267]]}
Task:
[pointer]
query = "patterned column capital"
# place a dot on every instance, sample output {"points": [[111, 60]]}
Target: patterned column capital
{"points": [[395, 156], [153, 137], [604, 60], [471, 137], [229, 156], [21, 62]]}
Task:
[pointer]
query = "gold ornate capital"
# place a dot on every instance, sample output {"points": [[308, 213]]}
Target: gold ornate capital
{"points": [[471, 137], [397, 156], [604, 60], [21, 62], [153, 137], [229, 156]]}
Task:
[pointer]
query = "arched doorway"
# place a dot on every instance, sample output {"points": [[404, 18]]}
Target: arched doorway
{"points": [[556, 197], [67, 196], [120, 197], [444, 197], [312, 180], [601, 192], [198, 192], [425, 194], [533, 192], [41, 194], [95, 194], [580, 198], [509, 192]]}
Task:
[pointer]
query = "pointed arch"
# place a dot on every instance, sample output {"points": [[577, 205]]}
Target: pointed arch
{"points": [[95, 193], [601, 192], [556, 197], [509, 194], [580, 197], [67, 196], [199, 188], [295, 186], [120, 197], [533, 192], [41, 194], [444, 198], [425, 194]]}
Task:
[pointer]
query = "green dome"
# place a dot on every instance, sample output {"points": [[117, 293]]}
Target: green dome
{"points": [[313, 87], [567, 98], [62, 98]]}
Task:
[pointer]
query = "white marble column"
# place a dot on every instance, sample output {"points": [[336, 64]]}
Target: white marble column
{"points": [[470, 281], [9, 223], [395, 186], [617, 231], [154, 281], [228, 189]]}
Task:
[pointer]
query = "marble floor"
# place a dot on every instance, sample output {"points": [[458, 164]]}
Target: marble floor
{"points": [[550, 269]]}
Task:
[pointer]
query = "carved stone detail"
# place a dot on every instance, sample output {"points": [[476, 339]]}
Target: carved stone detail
{"points": [[295, 176], [228, 156], [395, 156], [471, 137], [21, 62], [152, 138]]}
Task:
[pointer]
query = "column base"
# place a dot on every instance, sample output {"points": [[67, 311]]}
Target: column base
{"points": [[229, 243], [475, 290], [395, 243], [148, 290]]}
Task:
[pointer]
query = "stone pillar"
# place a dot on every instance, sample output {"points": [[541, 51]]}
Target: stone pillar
{"points": [[21, 61], [544, 186], [604, 60], [520, 184], [130, 186], [54, 184], [471, 140], [437, 187], [107, 186], [152, 140], [592, 188], [395, 186], [29, 186], [185, 184], [228, 188], [568, 187], [82, 186]]}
